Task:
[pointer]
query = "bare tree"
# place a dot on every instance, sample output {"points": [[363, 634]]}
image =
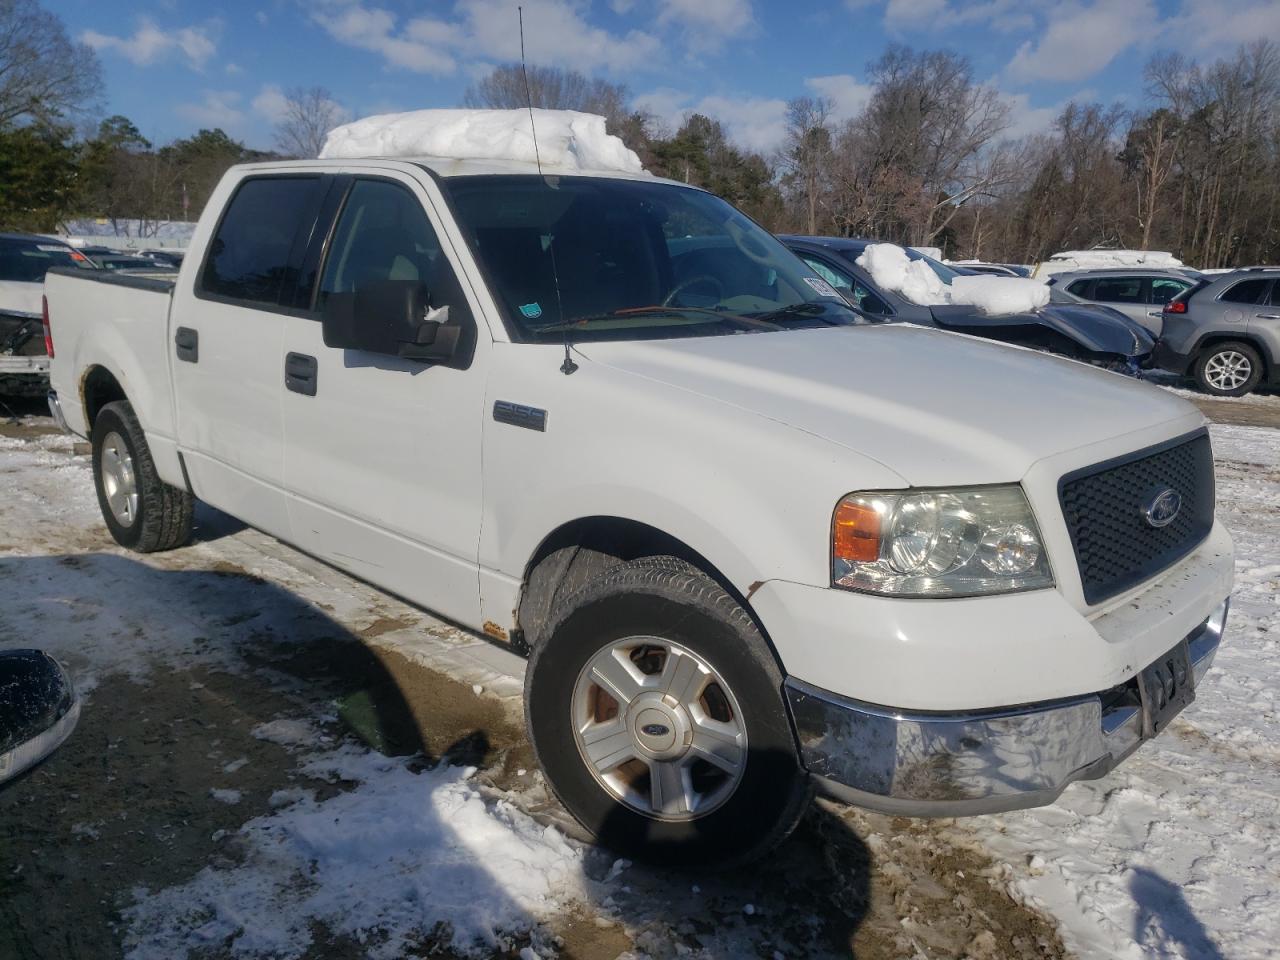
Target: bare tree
{"points": [[44, 75], [308, 117], [551, 88], [1149, 155], [806, 154]]}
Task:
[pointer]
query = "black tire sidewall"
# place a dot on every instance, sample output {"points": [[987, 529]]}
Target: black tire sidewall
{"points": [[110, 421], [1243, 348], [767, 792]]}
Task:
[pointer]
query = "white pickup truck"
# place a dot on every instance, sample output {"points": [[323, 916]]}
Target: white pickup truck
{"points": [[750, 542]]}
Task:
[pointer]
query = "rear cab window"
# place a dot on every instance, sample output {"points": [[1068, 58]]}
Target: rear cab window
{"points": [[256, 252]]}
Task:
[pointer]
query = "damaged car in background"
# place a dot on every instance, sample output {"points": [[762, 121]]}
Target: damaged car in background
{"points": [[889, 282]]}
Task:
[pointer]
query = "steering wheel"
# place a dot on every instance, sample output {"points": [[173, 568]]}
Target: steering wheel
{"points": [[693, 281]]}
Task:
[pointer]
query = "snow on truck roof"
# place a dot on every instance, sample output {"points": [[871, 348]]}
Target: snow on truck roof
{"points": [[456, 142]]}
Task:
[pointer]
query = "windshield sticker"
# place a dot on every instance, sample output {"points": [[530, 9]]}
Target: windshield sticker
{"points": [[824, 289], [531, 311]]}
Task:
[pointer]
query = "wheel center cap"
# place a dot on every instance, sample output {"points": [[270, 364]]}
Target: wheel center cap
{"points": [[660, 731]]}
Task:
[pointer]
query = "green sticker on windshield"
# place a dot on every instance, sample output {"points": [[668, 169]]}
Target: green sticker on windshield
{"points": [[530, 311]]}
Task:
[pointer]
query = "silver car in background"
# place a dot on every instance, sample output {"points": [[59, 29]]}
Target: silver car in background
{"points": [[1139, 293]]}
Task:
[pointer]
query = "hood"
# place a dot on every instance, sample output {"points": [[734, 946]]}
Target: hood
{"points": [[933, 407], [1094, 329], [20, 297]]}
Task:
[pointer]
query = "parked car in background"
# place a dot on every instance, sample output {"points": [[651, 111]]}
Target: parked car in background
{"points": [[994, 269], [1225, 331], [1136, 292], [1084, 332], [170, 258], [120, 260], [24, 260]]}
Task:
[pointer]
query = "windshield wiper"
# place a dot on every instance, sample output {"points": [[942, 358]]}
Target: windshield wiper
{"points": [[746, 323], [802, 311]]}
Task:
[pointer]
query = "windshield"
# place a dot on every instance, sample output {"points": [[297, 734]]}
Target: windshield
{"points": [[597, 258], [945, 273], [27, 261]]}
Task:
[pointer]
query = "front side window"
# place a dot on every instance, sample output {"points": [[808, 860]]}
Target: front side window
{"points": [[253, 255], [1118, 290], [1247, 291], [1163, 290], [623, 259], [383, 234]]}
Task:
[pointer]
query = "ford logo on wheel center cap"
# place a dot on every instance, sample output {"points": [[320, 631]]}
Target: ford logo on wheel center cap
{"points": [[1162, 508], [655, 730]]}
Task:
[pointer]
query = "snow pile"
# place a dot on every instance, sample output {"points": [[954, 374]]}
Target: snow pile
{"points": [[400, 858], [567, 140], [1097, 259], [997, 295], [891, 268]]}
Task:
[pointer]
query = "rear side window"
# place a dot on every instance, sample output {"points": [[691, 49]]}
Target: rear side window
{"points": [[1118, 290], [1246, 291], [1080, 288], [258, 246], [1163, 289]]}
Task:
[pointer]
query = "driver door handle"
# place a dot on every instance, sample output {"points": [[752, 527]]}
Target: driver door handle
{"points": [[1269, 316], [300, 373], [187, 344]]}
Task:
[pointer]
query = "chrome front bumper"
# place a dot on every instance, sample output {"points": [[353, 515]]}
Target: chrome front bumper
{"points": [[961, 764]]}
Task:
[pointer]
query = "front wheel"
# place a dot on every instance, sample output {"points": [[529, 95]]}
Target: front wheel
{"points": [[1229, 369], [657, 714], [142, 512]]}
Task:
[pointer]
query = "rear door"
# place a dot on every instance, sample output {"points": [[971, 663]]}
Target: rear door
{"points": [[1128, 294], [226, 337], [382, 454]]}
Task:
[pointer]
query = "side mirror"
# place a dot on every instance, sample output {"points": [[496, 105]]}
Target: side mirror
{"points": [[392, 317], [38, 710]]}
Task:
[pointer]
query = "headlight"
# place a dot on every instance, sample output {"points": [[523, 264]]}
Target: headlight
{"points": [[938, 543]]}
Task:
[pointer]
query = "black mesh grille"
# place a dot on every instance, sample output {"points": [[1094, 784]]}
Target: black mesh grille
{"points": [[1104, 508]]}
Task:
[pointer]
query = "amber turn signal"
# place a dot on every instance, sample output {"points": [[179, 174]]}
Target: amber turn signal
{"points": [[855, 532]]}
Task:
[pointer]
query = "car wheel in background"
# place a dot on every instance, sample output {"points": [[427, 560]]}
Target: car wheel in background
{"points": [[142, 512], [656, 712], [1229, 369]]}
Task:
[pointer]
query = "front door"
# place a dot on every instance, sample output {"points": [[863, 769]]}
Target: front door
{"points": [[382, 454]]}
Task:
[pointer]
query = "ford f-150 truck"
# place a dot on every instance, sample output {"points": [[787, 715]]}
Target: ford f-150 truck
{"points": [[750, 542]]}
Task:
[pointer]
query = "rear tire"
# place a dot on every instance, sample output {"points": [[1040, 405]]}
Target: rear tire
{"points": [[728, 696], [142, 512], [1229, 369]]}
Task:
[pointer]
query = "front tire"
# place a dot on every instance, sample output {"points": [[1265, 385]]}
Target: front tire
{"points": [[1228, 369], [657, 714], [142, 512]]}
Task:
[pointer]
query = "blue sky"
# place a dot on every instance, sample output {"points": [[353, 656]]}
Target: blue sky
{"points": [[174, 66]]}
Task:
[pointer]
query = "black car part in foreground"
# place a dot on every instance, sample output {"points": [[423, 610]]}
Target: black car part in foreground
{"points": [[38, 710]]}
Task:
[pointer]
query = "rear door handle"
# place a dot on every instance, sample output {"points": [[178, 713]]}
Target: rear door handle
{"points": [[187, 342], [300, 373]]}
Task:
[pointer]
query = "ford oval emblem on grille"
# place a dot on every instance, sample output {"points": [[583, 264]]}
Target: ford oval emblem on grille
{"points": [[655, 730], [1162, 508]]}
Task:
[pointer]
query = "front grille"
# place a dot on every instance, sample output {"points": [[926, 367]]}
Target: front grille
{"points": [[1116, 547]]}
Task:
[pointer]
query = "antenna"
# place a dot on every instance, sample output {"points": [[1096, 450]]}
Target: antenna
{"points": [[528, 97]]}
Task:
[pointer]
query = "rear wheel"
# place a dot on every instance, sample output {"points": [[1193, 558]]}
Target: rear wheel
{"points": [[142, 512], [657, 714], [1228, 369]]}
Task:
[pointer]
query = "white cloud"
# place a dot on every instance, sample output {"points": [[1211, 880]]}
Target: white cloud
{"points": [[217, 109], [707, 23], [555, 33], [1220, 24], [754, 123], [270, 103], [1082, 39], [848, 96], [151, 44], [233, 69], [1003, 16]]}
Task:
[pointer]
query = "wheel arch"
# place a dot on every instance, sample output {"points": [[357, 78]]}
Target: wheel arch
{"points": [[1242, 336], [98, 387]]}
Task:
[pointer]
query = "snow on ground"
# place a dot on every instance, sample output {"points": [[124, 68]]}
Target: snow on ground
{"points": [[891, 268], [382, 863], [566, 139], [1177, 852]]}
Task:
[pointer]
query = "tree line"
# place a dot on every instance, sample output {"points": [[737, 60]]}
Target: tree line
{"points": [[928, 161]]}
